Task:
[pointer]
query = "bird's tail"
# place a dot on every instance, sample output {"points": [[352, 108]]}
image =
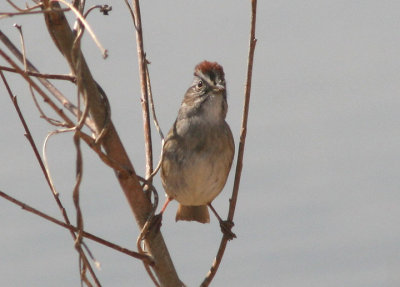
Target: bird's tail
{"points": [[193, 213]]}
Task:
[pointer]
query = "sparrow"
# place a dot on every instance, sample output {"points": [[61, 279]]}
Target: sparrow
{"points": [[199, 148]]}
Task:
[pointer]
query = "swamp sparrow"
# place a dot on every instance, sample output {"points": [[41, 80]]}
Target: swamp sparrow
{"points": [[199, 148]]}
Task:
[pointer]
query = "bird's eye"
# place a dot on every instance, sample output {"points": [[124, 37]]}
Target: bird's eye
{"points": [[200, 84]]}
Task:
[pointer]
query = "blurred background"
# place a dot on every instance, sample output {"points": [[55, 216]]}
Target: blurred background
{"points": [[319, 198]]}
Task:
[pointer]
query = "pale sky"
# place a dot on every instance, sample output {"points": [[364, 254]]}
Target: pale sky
{"points": [[320, 191]]}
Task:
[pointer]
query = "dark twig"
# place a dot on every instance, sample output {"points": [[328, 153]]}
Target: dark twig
{"points": [[146, 228], [239, 163], [131, 12], [63, 37], [105, 9], [59, 111], [42, 114], [75, 229], [79, 217], [39, 75], [243, 133], [83, 260], [38, 157], [28, 135], [81, 117], [20, 9], [153, 113], [136, 18], [11, 14], [104, 51], [135, 14], [52, 89], [145, 90], [83, 264], [45, 172], [142, 62]]}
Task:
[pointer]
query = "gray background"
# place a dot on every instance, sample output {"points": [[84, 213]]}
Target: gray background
{"points": [[319, 199]]}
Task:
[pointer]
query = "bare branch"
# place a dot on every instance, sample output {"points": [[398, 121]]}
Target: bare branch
{"points": [[59, 111], [243, 133], [44, 168], [142, 62], [19, 9], [141, 206], [53, 90], [79, 217], [87, 26], [153, 112], [166, 271], [105, 9], [73, 229], [39, 75], [28, 134], [243, 130], [24, 13]]}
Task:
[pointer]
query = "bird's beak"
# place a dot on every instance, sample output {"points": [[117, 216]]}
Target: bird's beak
{"points": [[219, 89]]}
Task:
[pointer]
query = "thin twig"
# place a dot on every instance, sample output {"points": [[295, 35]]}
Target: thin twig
{"points": [[131, 12], [72, 228], [12, 14], [76, 57], [47, 174], [21, 35], [105, 9], [39, 75], [45, 162], [145, 230], [20, 9], [87, 26], [42, 114], [41, 163], [28, 134], [142, 62], [153, 113], [59, 111], [79, 217], [144, 85], [78, 238], [51, 88], [239, 163], [65, 224]]}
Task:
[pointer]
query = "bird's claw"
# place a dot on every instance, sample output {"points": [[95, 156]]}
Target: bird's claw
{"points": [[226, 228]]}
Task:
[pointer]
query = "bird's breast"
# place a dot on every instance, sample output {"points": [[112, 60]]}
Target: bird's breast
{"points": [[196, 165]]}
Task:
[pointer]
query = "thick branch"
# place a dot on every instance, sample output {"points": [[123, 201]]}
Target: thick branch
{"points": [[63, 37]]}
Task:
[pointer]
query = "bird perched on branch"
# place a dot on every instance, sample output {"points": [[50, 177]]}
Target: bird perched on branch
{"points": [[199, 148]]}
